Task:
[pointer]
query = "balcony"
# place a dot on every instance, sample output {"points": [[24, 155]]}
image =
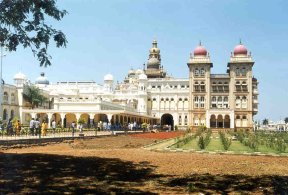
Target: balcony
{"points": [[255, 101]]}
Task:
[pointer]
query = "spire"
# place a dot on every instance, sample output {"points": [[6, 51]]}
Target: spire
{"points": [[200, 44], [154, 43], [240, 41]]}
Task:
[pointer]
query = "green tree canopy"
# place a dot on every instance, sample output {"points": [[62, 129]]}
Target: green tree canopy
{"points": [[286, 120], [265, 121], [33, 95], [23, 22]]}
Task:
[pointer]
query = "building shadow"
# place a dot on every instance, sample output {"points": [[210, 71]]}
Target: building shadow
{"points": [[58, 174]]}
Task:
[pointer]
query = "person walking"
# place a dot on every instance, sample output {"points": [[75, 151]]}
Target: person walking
{"points": [[44, 128], [73, 124], [37, 127], [10, 127], [18, 128], [32, 126], [54, 126]]}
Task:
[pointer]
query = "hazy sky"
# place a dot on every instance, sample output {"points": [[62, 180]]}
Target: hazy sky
{"points": [[114, 36]]}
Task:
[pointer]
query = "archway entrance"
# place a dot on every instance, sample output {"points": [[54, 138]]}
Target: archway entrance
{"points": [[166, 120], [227, 121], [213, 121]]}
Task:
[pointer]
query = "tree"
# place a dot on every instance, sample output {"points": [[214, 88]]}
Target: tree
{"points": [[23, 22], [265, 121], [286, 120], [33, 95]]}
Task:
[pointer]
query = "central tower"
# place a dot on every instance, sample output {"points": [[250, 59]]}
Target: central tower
{"points": [[154, 68]]}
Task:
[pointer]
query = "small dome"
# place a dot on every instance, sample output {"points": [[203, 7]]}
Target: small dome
{"points": [[154, 50], [240, 50], [108, 77], [19, 76], [153, 62], [139, 71], [200, 51], [42, 79], [142, 77]]}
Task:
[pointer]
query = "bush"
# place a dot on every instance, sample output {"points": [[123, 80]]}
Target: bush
{"points": [[280, 145], [201, 143], [226, 142]]}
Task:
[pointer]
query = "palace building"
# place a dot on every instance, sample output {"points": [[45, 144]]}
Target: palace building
{"points": [[149, 96]]}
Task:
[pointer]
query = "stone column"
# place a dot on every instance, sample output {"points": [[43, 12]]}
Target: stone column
{"points": [[231, 120], [208, 119], [49, 119]]}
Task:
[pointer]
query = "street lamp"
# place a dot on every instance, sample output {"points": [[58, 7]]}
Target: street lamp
{"points": [[1, 87]]}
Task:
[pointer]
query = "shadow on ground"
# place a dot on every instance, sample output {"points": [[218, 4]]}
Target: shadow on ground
{"points": [[56, 174], [44, 173], [225, 184]]}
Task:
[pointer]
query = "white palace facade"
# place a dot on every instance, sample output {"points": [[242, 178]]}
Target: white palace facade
{"points": [[149, 96]]}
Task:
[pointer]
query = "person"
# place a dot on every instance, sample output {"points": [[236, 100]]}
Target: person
{"points": [[32, 126], [73, 124], [54, 126], [37, 127], [18, 128], [44, 128], [10, 127]]}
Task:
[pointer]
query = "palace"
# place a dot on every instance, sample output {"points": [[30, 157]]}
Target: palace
{"points": [[149, 96]]}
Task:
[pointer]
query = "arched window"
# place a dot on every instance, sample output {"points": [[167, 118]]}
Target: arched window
{"points": [[5, 114], [196, 73], [244, 117], [213, 99], [5, 97], [219, 99], [12, 98], [237, 117], [237, 72], [12, 114], [225, 99], [202, 72]]}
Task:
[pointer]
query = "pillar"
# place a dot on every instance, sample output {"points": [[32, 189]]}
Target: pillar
{"points": [[231, 115], [49, 119]]}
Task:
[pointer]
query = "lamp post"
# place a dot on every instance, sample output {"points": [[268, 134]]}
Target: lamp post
{"points": [[1, 85]]}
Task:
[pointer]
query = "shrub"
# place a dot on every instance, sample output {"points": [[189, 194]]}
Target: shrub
{"points": [[201, 142], [280, 145], [253, 142], [226, 142]]}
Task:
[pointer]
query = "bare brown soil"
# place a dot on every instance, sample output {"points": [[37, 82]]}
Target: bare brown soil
{"points": [[119, 165]]}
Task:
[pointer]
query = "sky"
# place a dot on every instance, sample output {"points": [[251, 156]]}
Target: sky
{"points": [[115, 36]]}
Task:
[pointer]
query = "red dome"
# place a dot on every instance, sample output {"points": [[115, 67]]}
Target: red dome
{"points": [[240, 50], [200, 51]]}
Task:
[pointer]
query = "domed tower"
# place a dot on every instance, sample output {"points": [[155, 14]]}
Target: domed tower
{"points": [[19, 79], [200, 66], [154, 68], [243, 86], [108, 82]]}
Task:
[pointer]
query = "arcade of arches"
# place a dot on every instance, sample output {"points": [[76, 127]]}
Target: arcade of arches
{"points": [[65, 119], [220, 121]]}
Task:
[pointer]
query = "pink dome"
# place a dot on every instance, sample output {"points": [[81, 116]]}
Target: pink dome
{"points": [[240, 50], [200, 51]]}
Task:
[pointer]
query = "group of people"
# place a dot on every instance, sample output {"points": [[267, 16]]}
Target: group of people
{"points": [[11, 127], [36, 128]]}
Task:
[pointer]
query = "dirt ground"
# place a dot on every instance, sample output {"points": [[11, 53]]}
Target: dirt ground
{"points": [[119, 165]]}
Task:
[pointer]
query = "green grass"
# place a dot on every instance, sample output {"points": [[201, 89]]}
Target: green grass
{"points": [[216, 145]]}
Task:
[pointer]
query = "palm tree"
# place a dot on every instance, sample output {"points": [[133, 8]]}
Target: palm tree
{"points": [[265, 121], [33, 95]]}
